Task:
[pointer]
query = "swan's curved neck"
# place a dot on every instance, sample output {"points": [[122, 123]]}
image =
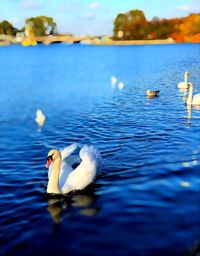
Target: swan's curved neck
{"points": [[53, 184], [189, 100], [186, 78]]}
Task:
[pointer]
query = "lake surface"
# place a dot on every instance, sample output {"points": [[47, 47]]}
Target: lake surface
{"points": [[147, 200]]}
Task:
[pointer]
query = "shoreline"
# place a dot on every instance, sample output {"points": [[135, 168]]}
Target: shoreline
{"points": [[84, 40], [135, 42]]}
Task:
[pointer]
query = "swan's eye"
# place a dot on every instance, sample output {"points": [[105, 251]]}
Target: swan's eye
{"points": [[50, 157]]}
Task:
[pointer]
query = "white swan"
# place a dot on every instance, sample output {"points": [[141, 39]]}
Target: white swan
{"points": [[121, 86], [113, 80], [193, 100], [40, 118], [62, 178], [184, 85]]}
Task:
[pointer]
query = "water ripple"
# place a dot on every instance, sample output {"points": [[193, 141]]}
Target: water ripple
{"points": [[149, 187]]}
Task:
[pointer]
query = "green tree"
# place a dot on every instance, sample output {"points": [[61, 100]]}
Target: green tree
{"points": [[6, 28], [42, 25], [131, 25], [120, 26], [138, 25]]}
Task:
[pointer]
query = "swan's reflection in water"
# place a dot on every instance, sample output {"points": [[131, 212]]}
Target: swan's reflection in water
{"points": [[55, 208], [189, 110], [61, 206]]}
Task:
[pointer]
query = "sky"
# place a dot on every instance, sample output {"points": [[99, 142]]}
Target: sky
{"points": [[91, 17]]}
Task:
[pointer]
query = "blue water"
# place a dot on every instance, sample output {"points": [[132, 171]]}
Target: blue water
{"points": [[147, 200]]}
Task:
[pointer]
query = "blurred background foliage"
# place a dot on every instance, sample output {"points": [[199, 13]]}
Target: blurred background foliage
{"points": [[41, 26], [132, 25], [6, 28]]}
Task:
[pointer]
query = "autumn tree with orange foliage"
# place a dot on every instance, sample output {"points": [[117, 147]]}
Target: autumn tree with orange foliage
{"points": [[190, 28], [133, 25]]}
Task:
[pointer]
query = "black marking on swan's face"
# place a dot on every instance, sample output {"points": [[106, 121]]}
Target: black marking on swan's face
{"points": [[49, 161], [50, 157]]}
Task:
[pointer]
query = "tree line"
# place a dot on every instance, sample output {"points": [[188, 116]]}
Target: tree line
{"points": [[41, 26], [133, 25]]}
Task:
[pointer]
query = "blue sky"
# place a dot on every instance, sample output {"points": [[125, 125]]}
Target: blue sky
{"points": [[91, 16]]}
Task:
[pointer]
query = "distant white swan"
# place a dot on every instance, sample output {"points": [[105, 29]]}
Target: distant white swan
{"points": [[113, 80], [184, 85], [40, 118], [62, 178], [193, 100], [121, 86]]}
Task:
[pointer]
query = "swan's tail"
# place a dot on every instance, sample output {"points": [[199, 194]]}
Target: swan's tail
{"points": [[91, 155]]}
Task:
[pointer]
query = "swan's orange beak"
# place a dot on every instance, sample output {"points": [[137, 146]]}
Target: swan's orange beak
{"points": [[49, 161]]}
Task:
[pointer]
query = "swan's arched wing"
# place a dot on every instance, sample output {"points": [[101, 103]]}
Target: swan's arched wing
{"points": [[66, 154], [91, 156], [86, 171], [68, 150], [65, 170], [67, 162], [196, 99]]}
